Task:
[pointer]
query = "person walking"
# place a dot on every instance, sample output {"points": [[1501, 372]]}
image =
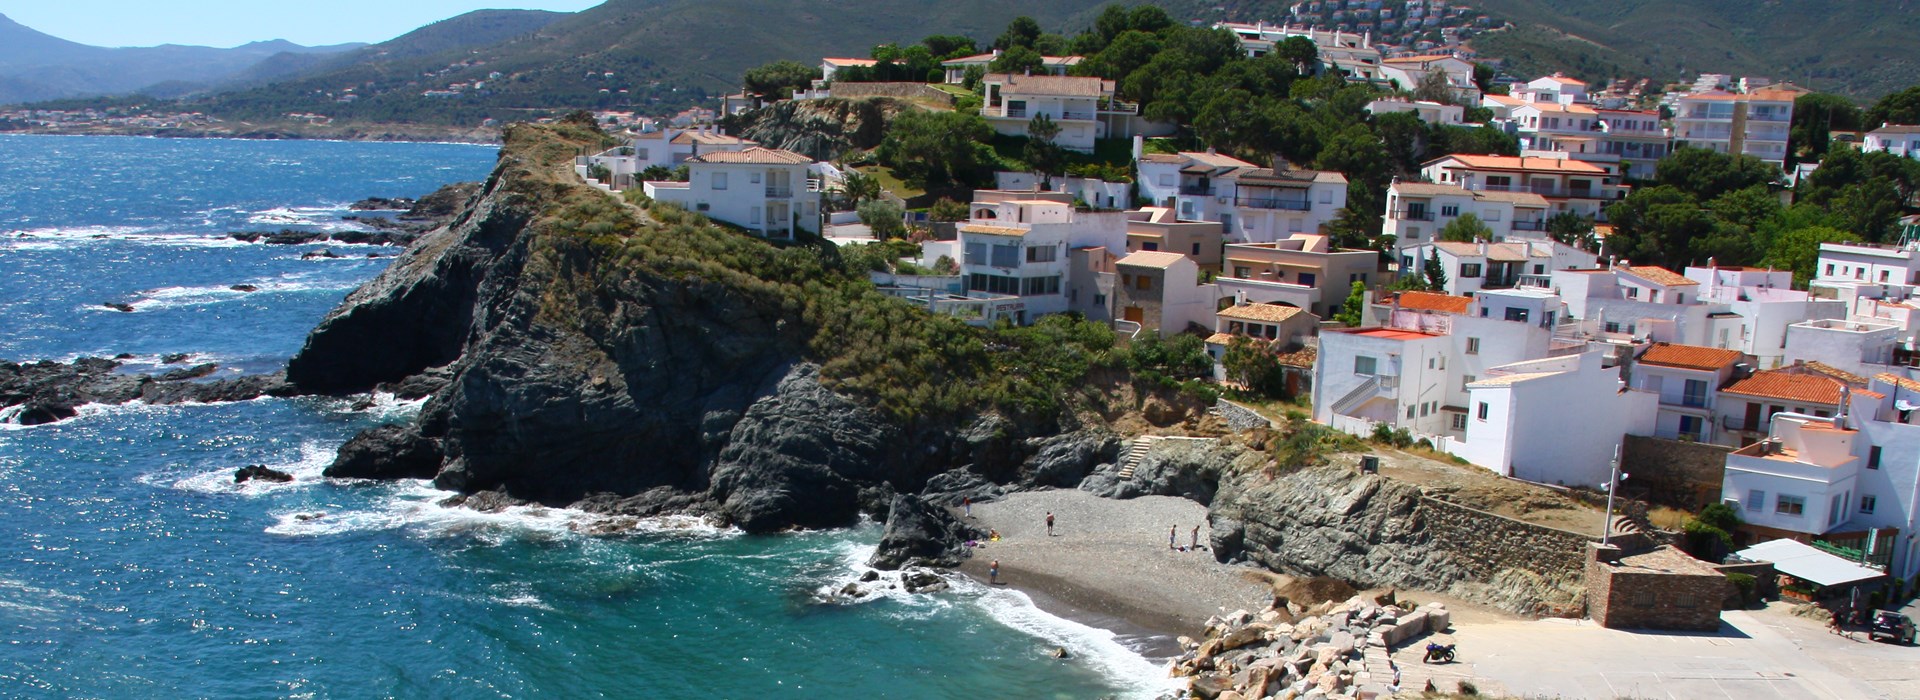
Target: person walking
{"points": [[1196, 538], [1049, 523], [1172, 533], [966, 505], [993, 572]]}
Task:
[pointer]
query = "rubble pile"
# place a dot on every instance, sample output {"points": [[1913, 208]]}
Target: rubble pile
{"points": [[1288, 653]]}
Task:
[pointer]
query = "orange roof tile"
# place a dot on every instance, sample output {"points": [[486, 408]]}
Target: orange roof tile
{"points": [[1433, 301], [1689, 356], [1532, 164], [1271, 313], [1658, 275], [1788, 387], [1897, 381]]}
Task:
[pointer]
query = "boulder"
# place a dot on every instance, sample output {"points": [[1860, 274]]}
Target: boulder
{"points": [[921, 534], [923, 582], [387, 452], [260, 473], [1064, 460], [118, 306]]}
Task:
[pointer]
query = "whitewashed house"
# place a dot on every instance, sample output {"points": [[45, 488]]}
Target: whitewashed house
{"points": [[1752, 124], [1764, 303], [1252, 204], [1898, 139], [956, 69], [1195, 185], [1433, 113], [1803, 480], [1083, 108], [767, 191], [1687, 378], [1161, 292], [1557, 420], [1026, 248], [1567, 185], [1472, 267], [1417, 211]]}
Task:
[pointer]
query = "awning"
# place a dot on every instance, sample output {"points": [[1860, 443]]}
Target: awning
{"points": [[1803, 562]]}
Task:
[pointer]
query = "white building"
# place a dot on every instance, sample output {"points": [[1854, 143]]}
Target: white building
{"points": [[1556, 420], [1022, 248], [1406, 72], [1858, 347], [1751, 124], [1430, 112], [1567, 185], [1417, 211], [1347, 54], [1083, 108], [1687, 378], [1900, 140], [764, 190], [1802, 479], [1196, 186], [1765, 304], [1252, 204], [1746, 407], [1472, 267], [956, 69], [1851, 272], [830, 66], [1631, 304]]}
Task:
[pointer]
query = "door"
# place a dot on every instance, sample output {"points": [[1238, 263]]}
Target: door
{"points": [[1752, 420], [1134, 314]]}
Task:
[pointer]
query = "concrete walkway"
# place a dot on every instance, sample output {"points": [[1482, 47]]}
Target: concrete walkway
{"points": [[1756, 655]]}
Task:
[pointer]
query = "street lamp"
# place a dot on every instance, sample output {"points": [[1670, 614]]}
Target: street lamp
{"points": [[1612, 485]]}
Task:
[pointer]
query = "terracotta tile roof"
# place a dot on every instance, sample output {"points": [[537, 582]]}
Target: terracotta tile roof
{"points": [[1217, 160], [1511, 379], [1147, 258], [1505, 100], [1067, 86], [1427, 189], [994, 230], [1658, 275], [1434, 301], [1557, 107], [1524, 163], [850, 61], [1220, 339], [1270, 313], [755, 156], [1788, 387], [1304, 357], [1564, 80], [1689, 356], [1897, 381], [1836, 373]]}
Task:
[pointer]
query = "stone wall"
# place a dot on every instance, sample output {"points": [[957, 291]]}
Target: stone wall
{"points": [[1527, 567], [905, 91], [1238, 417], [1683, 596], [1683, 474]]}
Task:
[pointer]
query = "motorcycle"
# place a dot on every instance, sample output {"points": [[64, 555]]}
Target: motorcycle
{"points": [[1442, 653]]}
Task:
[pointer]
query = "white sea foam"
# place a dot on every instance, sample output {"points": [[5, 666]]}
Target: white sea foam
{"points": [[181, 297], [1099, 649], [62, 238], [416, 506], [305, 468]]}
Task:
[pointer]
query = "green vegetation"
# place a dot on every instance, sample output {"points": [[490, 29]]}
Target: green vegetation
{"points": [[1468, 228], [884, 218], [1351, 310], [936, 148], [778, 80], [1253, 365], [1710, 533]]}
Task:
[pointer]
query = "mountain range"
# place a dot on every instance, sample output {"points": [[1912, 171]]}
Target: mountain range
{"points": [[35, 66]]}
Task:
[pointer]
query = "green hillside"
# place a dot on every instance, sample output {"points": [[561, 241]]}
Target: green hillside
{"points": [[1862, 48]]}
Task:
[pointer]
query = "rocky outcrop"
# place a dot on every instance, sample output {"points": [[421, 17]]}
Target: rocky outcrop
{"points": [[921, 534], [387, 452], [1190, 469], [47, 391], [258, 472], [1284, 652]]}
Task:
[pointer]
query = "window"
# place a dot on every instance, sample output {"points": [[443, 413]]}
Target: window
{"points": [[1867, 504], [1459, 421], [1042, 285], [1307, 279], [703, 206], [1829, 269], [1449, 210], [995, 284], [1540, 269], [1695, 394], [1364, 365], [976, 254], [1519, 315], [1883, 275], [1242, 272], [1789, 505], [753, 178], [1006, 255], [1873, 457], [1690, 428], [1685, 600], [1465, 380], [1196, 249], [1470, 271], [1426, 409], [1633, 292], [1473, 346], [1756, 500], [1099, 300], [1410, 410], [1483, 410], [1042, 254], [1143, 283], [1859, 273], [719, 181]]}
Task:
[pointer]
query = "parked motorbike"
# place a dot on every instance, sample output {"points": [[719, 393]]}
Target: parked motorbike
{"points": [[1442, 653]]}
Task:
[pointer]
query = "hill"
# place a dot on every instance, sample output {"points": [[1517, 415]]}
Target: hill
{"points": [[1861, 48], [661, 54], [467, 31], [35, 66]]}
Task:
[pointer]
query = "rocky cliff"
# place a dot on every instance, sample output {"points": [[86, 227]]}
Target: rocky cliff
{"points": [[577, 352]]}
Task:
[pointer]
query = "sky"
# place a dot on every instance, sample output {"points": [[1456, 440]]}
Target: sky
{"points": [[226, 23]]}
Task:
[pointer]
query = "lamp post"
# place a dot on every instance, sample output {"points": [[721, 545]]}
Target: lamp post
{"points": [[1613, 484]]}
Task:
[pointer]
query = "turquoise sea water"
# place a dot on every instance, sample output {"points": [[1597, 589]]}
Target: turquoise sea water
{"points": [[135, 568]]}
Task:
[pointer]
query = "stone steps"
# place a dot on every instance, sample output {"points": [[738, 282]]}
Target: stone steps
{"points": [[1136, 451]]}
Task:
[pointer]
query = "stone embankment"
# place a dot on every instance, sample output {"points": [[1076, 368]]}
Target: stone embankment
{"points": [[1286, 653]]}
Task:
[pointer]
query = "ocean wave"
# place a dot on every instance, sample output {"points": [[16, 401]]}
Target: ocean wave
{"points": [[181, 297], [415, 505], [10, 417], [325, 218], [306, 470], [67, 237], [1099, 649]]}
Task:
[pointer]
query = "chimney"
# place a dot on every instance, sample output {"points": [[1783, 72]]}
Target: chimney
{"points": [[1483, 247], [1139, 146], [1280, 163]]}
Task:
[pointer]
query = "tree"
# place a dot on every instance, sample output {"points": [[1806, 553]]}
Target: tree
{"points": [[949, 46], [1799, 250], [859, 187], [1435, 274], [778, 80], [1351, 310], [1301, 52], [1435, 87], [1022, 31], [1572, 228], [1657, 225], [1043, 155], [884, 218], [1252, 364], [1902, 107], [1017, 60], [947, 210], [1866, 190], [1467, 228], [1708, 174], [1711, 532], [657, 173], [1483, 76], [935, 148], [1815, 116]]}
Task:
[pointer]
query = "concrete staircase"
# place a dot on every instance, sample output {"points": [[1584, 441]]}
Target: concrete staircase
{"points": [[1136, 451]]}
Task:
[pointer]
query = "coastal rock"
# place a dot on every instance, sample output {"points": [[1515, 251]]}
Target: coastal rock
{"points": [[194, 372], [920, 534], [318, 254], [1063, 460], [1330, 521], [258, 472], [387, 452], [923, 582], [444, 203], [794, 456], [1189, 469], [483, 501], [248, 288], [174, 359], [383, 204], [118, 306], [53, 391]]}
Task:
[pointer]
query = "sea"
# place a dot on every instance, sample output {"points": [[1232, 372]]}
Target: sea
{"points": [[135, 568]]}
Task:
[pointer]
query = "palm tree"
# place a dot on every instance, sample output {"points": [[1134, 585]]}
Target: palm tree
{"points": [[859, 187]]}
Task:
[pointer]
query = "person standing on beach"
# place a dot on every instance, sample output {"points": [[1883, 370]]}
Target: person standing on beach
{"points": [[1196, 538], [993, 572], [1172, 533], [1049, 523], [966, 504]]}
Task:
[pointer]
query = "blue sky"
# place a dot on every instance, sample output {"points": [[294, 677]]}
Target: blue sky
{"points": [[234, 22]]}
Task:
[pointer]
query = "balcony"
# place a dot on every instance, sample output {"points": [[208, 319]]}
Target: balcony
{"points": [[1273, 203], [1076, 116], [1197, 190], [1412, 215], [1529, 225], [1017, 112], [779, 192]]}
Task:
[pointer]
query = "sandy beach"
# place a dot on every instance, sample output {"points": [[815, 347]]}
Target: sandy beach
{"points": [[1108, 564]]}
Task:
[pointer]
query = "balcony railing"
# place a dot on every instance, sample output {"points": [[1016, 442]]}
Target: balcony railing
{"points": [[1740, 423], [1197, 190], [1273, 203], [1529, 225], [1019, 112], [779, 192], [1077, 116], [1413, 215]]}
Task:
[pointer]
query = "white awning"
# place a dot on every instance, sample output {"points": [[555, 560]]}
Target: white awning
{"points": [[1803, 562]]}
